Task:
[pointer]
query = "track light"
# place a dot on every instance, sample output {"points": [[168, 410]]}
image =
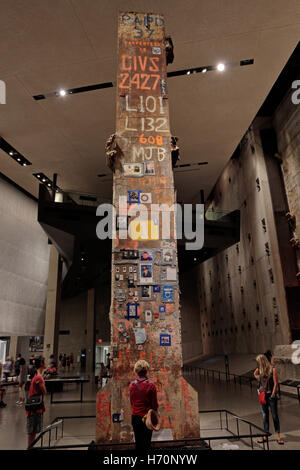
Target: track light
{"points": [[45, 180], [13, 153]]}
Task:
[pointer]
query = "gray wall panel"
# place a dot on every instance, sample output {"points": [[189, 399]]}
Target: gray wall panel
{"points": [[24, 260]]}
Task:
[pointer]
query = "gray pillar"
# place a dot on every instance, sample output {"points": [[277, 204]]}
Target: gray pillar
{"points": [[53, 305], [90, 333], [13, 347]]}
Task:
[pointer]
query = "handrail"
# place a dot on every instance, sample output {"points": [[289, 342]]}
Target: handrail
{"points": [[228, 375], [263, 434], [219, 372], [59, 420], [54, 425]]}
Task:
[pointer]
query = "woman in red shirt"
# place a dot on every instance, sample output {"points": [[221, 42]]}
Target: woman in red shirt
{"points": [[143, 397], [37, 387]]}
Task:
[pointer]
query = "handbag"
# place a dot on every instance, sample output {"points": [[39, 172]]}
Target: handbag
{"points": [[34, 403], [262, 395]]}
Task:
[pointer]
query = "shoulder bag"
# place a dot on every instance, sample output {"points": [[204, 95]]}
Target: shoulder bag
{"points": [[34, 403], [262, 395]]}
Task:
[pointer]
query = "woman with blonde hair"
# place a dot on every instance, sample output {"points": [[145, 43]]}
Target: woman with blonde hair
{"points": [[143, 397], [268, 383]]}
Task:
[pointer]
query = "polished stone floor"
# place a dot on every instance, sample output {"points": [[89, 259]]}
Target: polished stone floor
{"points": [[212, 396]]}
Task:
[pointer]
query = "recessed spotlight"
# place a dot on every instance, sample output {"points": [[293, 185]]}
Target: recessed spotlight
{"points": [[221, 67], [38, 176], [43, 180], [11, 153], [188, 72], [62, 92], [18, 159], [49, 184], [24, 164], [204, 70]]}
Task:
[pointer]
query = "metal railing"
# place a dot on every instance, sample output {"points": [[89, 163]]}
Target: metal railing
{"points": [[216, 375], [59, 421], [236, 435]]}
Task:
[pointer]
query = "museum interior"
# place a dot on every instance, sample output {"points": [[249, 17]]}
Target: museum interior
{"points": [[108, 109]]}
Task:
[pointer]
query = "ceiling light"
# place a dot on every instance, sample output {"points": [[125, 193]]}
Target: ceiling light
{"points": [[43, 180], [220, 67], [62, 92], [204, 70], [19, 159], [38, 176], [188, 72], [11, 153], [49, 184], [24, 164]]}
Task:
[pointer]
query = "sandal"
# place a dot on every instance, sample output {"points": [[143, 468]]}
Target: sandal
{"points": [[261, 441], [280, 442]]}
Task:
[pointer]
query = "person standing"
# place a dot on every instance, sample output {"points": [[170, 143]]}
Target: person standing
{"points": [[7, 368], [2, 389], [71, 360], [143, 397], [50, 360], [102, 374], [68, 363], [108, 361], [37, 387], [268, 382], [64, 362], [22, 380], [17, 365], [269, 356]]}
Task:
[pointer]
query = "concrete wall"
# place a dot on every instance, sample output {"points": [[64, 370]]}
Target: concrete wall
{"points": [[73, 318], [242, 298], [190, 318], [286, 123], [24, 258], [102, 306]]}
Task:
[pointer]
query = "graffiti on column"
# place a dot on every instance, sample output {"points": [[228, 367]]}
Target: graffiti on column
{"points": [[145, 310]]}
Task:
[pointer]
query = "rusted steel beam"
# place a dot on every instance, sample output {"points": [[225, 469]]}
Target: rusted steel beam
{"points": [[145, 311]]}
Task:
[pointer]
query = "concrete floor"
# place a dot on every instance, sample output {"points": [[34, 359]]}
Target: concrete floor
{"points": [[212, 395]]}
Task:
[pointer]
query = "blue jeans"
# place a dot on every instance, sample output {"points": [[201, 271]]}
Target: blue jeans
{"points": [[272, 404]]}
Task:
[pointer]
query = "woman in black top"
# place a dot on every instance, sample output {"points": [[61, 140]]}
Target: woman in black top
{"points": [[268, 382]]}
